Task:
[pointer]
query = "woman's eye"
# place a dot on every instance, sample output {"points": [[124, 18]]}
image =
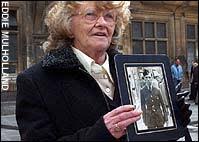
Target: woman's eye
{"points": [[90, 14], [109, 15]]}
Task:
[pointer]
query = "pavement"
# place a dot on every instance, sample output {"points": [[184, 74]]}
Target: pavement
{"points": [[193, 125], [9, 129]]}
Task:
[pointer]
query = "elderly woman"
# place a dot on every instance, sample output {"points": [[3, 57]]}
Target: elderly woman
{"points": [[72, 93]]}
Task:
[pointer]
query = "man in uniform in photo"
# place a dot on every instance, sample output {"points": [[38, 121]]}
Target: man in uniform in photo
{"points": [[152, 104]]}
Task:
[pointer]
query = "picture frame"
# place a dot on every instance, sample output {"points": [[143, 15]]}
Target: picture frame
{"points": [[145, 81]]}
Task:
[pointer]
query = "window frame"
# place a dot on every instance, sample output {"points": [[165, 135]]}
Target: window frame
{"points": [[195, 41], [15, 31], [155, 38]]}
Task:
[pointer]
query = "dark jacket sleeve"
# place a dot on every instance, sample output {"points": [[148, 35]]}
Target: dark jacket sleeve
{"points": [[35, 123], [97, 132], [31, 115]]}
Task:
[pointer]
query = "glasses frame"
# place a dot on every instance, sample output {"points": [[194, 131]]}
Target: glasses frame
{"points": [[97, 15]]}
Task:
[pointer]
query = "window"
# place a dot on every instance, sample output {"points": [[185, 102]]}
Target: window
{"points": [[149, 37], [191, 43], [13, 36], [13, 19], [191, 32]]}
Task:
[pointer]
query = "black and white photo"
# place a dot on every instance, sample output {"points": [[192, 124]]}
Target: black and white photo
{"points": [[148, 92]]}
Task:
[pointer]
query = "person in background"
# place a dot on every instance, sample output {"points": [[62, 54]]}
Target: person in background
{"points": [[72, 93], [194, 80], [177, 72]]}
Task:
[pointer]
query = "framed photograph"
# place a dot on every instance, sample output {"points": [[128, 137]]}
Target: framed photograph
{"points": [[145, 82]]}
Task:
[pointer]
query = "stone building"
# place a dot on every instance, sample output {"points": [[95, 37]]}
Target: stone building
{"points": [[156, 27]]}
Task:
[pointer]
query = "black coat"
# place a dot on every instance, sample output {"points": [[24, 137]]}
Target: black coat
{"points": [[57, 99], [194, 74]]}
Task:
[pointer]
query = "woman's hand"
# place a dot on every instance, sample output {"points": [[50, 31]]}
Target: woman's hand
{"points": [[118, 119]]}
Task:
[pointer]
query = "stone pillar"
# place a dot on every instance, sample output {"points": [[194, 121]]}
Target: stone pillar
{"points": [[29, 31], [172, 38]]}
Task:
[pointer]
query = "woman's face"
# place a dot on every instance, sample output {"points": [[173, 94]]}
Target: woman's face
{"points": [[92, 28]]}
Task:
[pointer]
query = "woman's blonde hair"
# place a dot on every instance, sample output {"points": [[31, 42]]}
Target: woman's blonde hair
{"points": [[58, 19]]}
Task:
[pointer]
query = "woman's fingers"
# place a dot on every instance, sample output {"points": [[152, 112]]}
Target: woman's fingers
{"points": [[120, 118], [123, 116], [125, 123], [120, 109]]}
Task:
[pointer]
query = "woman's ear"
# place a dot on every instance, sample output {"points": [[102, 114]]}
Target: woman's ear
{"points": [[68, 29], [69, 33]]}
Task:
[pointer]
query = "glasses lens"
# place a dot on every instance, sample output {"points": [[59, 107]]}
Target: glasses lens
{"points": [[90, 15], [109, 17]]}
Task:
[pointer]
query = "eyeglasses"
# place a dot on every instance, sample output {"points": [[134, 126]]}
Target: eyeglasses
{"points": [[92, 15]]}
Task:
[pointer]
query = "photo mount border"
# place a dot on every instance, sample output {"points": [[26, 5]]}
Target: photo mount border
{"points": [[167, 134]]}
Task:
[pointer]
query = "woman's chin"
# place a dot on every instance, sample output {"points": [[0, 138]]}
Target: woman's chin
{"points": [[102, 47]]}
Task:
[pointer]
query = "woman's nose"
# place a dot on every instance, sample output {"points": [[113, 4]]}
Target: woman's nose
{"points": [[101, 21]]}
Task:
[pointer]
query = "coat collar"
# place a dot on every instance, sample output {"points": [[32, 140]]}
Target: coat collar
{"points": [[63, 59]]}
